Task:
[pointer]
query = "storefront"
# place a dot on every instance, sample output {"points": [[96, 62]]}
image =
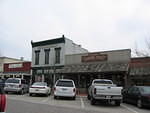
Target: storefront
{"points": [[140, 71], [83, 74], [17, 70]]}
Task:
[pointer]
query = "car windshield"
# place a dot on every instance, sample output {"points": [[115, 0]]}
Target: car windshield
{"points": [[146, 90], [65, 83], [102, 82], [12, 81], [40, 84]]}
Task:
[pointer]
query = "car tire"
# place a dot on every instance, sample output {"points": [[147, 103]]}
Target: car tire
{"points": [[22, 92], [30, 94], [88, 97], [117, 103], [46, 95], [6, 92], [74, 98], [139, 103], [55, 97], [93, 101]]}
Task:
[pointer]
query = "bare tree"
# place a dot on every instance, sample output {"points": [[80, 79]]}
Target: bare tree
{"points": [[143, 52]]}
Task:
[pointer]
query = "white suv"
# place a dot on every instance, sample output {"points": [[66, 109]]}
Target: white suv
{"points": [[65, 88]]}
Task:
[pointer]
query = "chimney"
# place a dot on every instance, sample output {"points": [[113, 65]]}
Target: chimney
{"points": [[21, 58]]}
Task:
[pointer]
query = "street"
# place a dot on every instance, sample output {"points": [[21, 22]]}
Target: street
{"points": [[40, 104]]}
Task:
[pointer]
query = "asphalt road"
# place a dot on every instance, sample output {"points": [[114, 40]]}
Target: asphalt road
{"points": [[40, 104]]}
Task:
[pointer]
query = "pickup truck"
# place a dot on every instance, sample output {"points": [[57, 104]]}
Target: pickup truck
{"points": [[104, 90]]}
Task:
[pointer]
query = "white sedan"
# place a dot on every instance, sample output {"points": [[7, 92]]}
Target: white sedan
{"points": [[65, 88], [39, 88]]}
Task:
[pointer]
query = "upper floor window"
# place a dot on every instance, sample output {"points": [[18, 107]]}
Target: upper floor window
{"points": [[37, 56], [57, 55], [47, 56]]}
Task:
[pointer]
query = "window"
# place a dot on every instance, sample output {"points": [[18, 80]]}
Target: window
{"points": [[65, 83], [37, 56], [47, 56], [57, 55]]}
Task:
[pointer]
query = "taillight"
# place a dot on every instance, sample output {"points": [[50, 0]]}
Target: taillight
{"points": [[54, 88], [74, 90], [2, 103], [19, 85], [95, 91]]}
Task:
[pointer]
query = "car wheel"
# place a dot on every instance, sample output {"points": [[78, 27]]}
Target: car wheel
{"points": [[22, 92], [30, 94], [88, 97], [117, 103], [139, 104], [6, 92], [55, 97], [74, 98], [93, 101]]}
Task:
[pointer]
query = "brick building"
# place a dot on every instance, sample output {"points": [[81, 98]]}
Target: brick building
{"points": [[140, 71]]}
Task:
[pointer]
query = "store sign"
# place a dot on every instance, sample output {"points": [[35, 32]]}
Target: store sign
{"points": [[15, 65], [94, 57]]}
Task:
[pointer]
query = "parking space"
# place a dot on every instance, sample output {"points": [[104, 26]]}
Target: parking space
{"points": [[81, 102]]}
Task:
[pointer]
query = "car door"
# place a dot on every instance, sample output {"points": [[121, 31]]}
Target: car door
{"points": [[129, 95], [134, 95]]}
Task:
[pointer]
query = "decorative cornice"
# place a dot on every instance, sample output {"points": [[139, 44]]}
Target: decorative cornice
{"points": [[48, 42]]}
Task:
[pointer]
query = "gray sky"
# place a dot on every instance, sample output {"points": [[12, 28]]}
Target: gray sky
{"points": [[98, 25]]}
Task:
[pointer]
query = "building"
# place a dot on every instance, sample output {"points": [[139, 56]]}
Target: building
{"points": [[6, 60], [83, 68], [17, 70], [49, 56], [140, 71]]}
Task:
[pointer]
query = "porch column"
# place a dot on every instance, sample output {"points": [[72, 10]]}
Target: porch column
{"points": [[22, 76], [78, 83], [42, 77]]}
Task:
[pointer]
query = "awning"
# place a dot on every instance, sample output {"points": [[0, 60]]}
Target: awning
{"points": [[94, 68], [140, 71]]}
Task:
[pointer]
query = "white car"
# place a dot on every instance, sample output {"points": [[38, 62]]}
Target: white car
{"points": [[39, 88], [65, 88]]}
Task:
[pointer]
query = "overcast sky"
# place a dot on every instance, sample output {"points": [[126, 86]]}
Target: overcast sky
{"points": [[97, 25]]}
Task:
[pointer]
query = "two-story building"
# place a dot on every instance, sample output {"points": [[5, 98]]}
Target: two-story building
{"points": [[49, 56]]}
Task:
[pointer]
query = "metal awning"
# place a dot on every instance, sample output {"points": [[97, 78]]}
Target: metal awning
{"points": [[94, 68]]}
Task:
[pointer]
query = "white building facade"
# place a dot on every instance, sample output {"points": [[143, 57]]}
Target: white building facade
{"points": [[49, 56]]}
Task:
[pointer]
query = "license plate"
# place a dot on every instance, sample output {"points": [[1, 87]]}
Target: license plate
{"points": [[64, 89], [108, 97], [37, 90]]}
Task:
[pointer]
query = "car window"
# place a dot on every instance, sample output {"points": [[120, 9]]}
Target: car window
{"points": [[65, 83], [130, 89], [135, 90], [102, 82], [145, 90], [12, 81], [40, 84]]}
